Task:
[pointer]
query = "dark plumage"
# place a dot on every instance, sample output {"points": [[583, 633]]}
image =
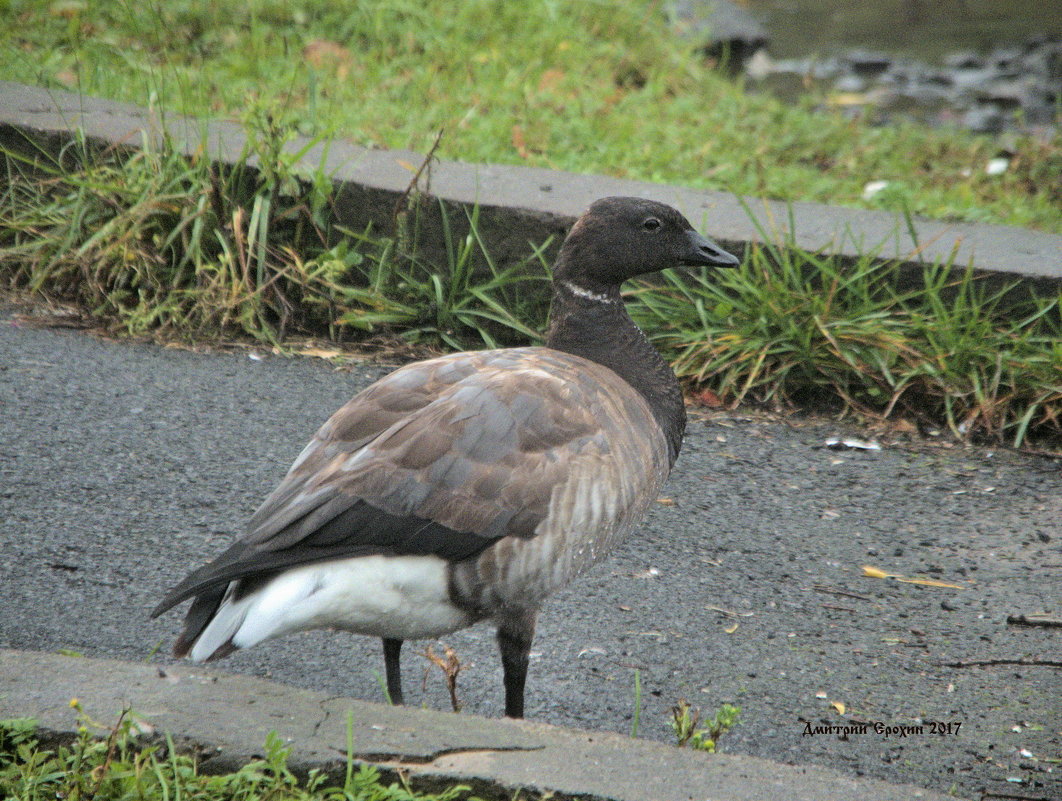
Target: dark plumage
{"points": [[469, 486]]}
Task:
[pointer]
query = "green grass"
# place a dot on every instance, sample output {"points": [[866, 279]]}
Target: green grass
{"points": [[153, 242], [116, 765], [156, 242], [637, 718], [685, 723], [586, 87], [792, 328]]}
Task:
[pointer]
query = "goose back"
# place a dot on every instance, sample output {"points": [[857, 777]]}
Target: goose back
{"points": [[517, 467]]}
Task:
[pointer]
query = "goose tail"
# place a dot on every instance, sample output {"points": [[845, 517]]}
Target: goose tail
{"points": [[211, 626]]}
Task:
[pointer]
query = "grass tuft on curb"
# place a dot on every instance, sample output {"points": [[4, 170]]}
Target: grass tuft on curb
{"points": [[153, 241], [791, 328], [117, 763]]}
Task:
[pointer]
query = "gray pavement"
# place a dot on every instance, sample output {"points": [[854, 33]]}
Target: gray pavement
{"points": [[124, 465]]}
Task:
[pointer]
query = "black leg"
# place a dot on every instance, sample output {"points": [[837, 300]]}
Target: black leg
{"points": [[392, 667], [515, 633]]}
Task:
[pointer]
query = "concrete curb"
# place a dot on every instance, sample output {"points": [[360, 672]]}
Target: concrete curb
{"points": [[522, 205], [225, 720]]}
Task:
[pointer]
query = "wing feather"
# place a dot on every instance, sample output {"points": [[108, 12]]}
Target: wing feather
{"points": [[443, 457]]}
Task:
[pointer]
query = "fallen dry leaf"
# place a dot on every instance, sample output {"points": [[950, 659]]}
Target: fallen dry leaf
{"points": [[67, 8], [929, 582], [732, 629], [847, 99], [519, 142], [874, 572], [838, 706], [321, 353], [321, 53], [549, 80], [708, 398]]}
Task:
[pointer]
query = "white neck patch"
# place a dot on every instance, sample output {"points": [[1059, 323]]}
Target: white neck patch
{"points": [[597, 297]]}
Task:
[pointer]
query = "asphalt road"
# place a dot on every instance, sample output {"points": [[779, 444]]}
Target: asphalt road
{"points": [[122, 466]]}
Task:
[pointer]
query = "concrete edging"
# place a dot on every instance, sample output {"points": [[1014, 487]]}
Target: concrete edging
{"points": [[225, 719], [522, 205]]}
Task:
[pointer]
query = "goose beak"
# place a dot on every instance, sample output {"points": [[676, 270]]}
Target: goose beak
{"points": [[702, 251]]}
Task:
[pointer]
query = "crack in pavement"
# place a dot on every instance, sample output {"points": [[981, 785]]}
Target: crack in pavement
{"points": [[396, 759]]}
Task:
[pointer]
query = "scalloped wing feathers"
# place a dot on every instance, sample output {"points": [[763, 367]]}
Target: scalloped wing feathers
{"points": [[546, 456]]}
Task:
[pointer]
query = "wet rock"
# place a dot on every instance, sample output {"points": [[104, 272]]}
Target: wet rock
{"points": [[942, 79], [850, 83], [759, 65], [964, 60], [1004, 94], [1007, 62], [1011, 88], [967, 78], [726, 30], [868, 64]]}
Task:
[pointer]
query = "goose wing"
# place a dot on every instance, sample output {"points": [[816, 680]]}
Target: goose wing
{"points": [[447, 457]]}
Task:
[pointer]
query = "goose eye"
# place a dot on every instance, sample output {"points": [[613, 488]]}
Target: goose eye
{"points": [[651, 224]]}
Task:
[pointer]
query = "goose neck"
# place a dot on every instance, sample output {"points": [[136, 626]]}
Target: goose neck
{"points": [[594, 324]]}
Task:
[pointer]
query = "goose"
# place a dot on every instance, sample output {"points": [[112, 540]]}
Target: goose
{"points": [[470, 486]]}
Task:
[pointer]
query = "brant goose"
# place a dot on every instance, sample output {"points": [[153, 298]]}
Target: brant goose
{"points": [[470, 486]]}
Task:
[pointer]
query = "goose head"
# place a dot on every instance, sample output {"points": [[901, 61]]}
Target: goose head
{"points": [[623, 237]]}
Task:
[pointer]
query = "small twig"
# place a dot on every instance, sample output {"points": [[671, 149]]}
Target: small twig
{"points": [[99, 773], [993, 662], [728, 612], [1035, 619], [424, 165], [845, 593], [451, 666], [1038, 452], [833, 606]]}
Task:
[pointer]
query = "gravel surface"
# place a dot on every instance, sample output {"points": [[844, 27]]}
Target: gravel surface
{"points": [[123, 466]]}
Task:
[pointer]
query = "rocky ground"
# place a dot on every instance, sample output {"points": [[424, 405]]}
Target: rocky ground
{"points": [[122, 466], [1006, 89], [1009, 89]]}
